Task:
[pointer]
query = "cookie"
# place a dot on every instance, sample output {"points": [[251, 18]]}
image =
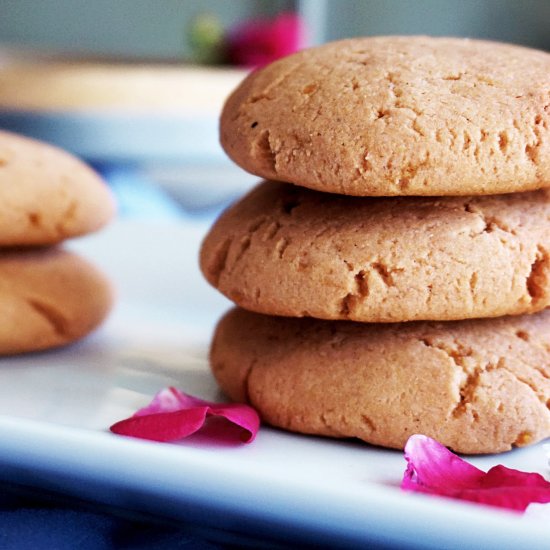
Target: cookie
{"points": [[46, 194], [480, 386], [48, 298], [286, 250], [386, 116]]}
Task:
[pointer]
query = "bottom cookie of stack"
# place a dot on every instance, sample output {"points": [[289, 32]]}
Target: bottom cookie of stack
{"points": [[477, 386]]}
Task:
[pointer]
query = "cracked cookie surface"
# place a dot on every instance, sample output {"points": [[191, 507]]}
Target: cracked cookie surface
{"points": [[286, 250], [479, 386], [49, 297], [47, 195], [397, 116]]}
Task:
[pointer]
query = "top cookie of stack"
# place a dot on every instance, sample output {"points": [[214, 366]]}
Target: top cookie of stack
{"points": [[388, 116]]}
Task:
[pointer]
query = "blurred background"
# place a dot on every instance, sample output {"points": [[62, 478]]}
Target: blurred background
{"points": [[158, 28], [135, 87]]}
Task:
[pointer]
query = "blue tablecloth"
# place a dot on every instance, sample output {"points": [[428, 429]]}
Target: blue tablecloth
{"points": [[31, 521]]}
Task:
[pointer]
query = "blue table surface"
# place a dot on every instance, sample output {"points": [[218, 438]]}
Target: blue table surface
{"points": [[29, 519]]}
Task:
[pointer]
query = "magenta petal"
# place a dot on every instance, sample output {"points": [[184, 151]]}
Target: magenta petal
{"points": [[257, 42], [169, 426], [240, 415], [173, 415], [170, 400], [433, 469], [509, 488]]}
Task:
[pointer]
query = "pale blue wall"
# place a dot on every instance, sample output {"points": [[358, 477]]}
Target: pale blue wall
{"points": [[142, 28], [156, 28], [519, 21]]}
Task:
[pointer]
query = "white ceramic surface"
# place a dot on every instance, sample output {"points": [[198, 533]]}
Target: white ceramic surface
{"points": [[56, 407]]}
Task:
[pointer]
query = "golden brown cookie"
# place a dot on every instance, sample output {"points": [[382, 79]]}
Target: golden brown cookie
{"points": [[479, 386], [397, 116], [286, 250], [46, 194], [49, 297]]}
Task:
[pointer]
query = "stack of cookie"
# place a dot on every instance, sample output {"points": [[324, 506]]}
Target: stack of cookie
{"points": [[48, 296], [397, 284]]}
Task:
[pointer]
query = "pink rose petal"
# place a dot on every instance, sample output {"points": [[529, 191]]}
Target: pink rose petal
{"points": [[257, 42], [173, 415], [433, 469]]}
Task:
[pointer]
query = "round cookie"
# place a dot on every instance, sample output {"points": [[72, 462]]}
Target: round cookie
{"points": [[48, 298], [480, 386], [392, 116], [286, 250], [46, 194]]}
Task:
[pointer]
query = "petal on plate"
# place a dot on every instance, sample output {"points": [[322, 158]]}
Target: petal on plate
{"points": [[433, 469], [173, 415], [170, 400]]}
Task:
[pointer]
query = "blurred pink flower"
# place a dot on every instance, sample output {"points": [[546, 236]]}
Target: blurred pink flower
{"points": [[433, 469], [257, 42], [173, 415]]}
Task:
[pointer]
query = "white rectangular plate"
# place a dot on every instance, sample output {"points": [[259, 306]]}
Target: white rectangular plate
{"points": [[56, 408]]}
